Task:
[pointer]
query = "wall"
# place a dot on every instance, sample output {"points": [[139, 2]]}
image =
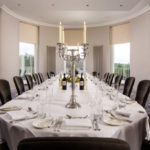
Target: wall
{"points": [[98, 36], [9, 47], [140, 47], [48, 36]]}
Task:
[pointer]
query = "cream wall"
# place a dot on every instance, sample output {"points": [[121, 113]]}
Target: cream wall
{"points": [[9, 47], [140, 47], [48, 36], [98, 36]]}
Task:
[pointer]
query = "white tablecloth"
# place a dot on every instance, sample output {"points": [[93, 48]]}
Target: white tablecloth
{"points": [[52, 102]]}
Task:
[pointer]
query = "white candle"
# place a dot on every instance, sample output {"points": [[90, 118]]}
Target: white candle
{"points": [[84, 33], [60, 33], [63, 36]]}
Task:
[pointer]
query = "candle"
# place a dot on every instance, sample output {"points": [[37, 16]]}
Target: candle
{"points": [[84, 33], [63, 35], [60, 33]]}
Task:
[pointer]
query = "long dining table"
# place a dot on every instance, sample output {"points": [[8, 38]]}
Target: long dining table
{"points": [[104, 112]]}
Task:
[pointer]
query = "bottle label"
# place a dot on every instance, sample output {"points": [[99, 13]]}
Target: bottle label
{"points": [[64, 83], [81, 83]]}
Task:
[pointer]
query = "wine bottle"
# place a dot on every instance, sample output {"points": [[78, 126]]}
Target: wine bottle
{"points": [[81, 82], [64, 82]]}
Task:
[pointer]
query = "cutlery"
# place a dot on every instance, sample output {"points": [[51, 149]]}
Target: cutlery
{"points": [[95, 124], [72, 117]]}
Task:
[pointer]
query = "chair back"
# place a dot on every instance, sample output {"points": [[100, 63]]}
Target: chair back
{"points": [[94, 74], [128, 86], [29, 81], [118, 79], [5, 92], [72, 143], [110, 80], [52, 73], [41, 77], [142, 92], [48, 75], [19, 84], [106, 76], [36, 78]]}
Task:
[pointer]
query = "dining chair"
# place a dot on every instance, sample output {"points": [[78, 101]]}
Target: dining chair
{"points": [[72, 143], [142, 92], [29, 81], [128, 86], [19, 84], [5, 92], [41, 77], [52, 73], [4, 146], [48, 75], [117, 82], [106, 76], [145, 145], [36, 78], [94, 74], [110, 80]]}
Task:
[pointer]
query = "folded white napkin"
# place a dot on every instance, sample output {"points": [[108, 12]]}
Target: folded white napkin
{"points": [[123, 113], [9, 108], [77, 124], [14, 115]]}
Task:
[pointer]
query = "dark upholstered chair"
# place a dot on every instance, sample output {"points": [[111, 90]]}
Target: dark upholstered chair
{"points": [[29, 81], [146, 145], [118, 79], [36, 78], [94, 74], [48, 75], [3, 146], [5, 92], [52, 73], [106, 76], [41, 77], [19, 84], [128, 86], [72, 143], [142, 92], [110, 80]]}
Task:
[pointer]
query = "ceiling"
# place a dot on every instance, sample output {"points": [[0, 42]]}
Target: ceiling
{"points": [[72, 13]]}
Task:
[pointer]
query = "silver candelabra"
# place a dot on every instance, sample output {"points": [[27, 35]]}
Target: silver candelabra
{"points": [[73, 56]]}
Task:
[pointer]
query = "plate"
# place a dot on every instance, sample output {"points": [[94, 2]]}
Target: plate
{"points": [[9, 108], [41, 123], [113, 122]]}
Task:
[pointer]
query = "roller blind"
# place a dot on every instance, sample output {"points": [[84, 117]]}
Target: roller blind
{"points": [[120, 34], [28, 33], [73, 36]]}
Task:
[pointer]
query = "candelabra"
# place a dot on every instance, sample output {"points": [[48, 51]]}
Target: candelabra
{"points": [[72, 56]]}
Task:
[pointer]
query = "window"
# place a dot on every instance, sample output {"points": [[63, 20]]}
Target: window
{"points": [[79, 66], [28, 35], [121, 59], [27, 58]]}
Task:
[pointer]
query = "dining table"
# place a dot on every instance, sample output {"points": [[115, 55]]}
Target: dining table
{"points": [[104, 112]]}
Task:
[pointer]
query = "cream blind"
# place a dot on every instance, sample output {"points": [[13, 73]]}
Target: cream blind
{"points": [[120, 34], [28, 33], [73, 37]]}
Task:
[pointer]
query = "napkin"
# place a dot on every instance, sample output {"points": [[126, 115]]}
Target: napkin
{"points": [[9, 108], [14, 115], [123, 113], [77, 124]]}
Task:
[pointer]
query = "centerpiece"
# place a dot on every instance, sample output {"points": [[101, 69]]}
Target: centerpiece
{"points": [[72, 56]]}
